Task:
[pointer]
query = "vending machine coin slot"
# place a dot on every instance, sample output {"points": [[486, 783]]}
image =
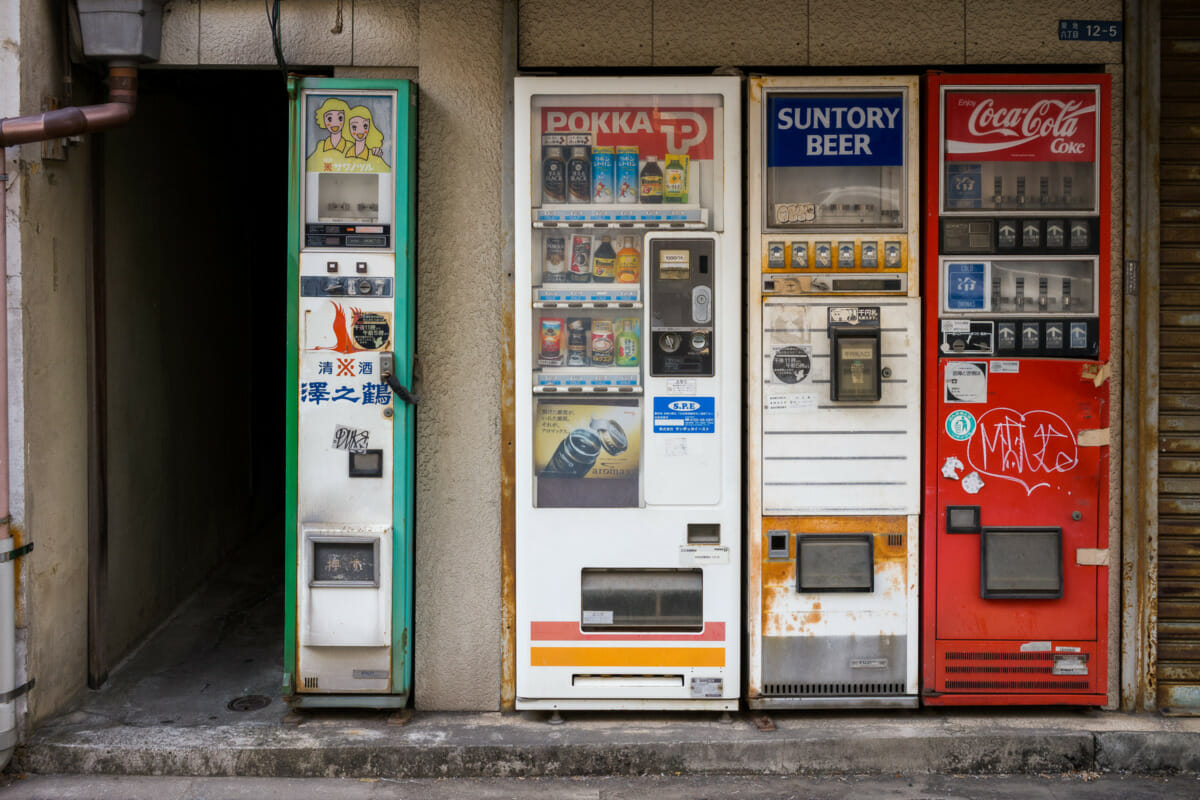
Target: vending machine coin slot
{"points": [[681, 307], [699, 533]]}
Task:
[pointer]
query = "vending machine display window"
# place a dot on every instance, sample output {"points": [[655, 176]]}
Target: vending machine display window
{"points": [[1021, 287], [1057, 170], [1023, 563], [642, 600], [834, 161], [835, 563]]}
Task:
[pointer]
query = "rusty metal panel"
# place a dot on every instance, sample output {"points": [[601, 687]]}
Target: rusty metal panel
{"points": [[1178, 628]]}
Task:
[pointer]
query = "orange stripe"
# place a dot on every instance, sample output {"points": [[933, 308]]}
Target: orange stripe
{"points": [[568, 631], [627, 656]]}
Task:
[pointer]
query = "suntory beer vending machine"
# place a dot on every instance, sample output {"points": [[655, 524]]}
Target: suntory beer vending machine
{"points": [[1016, 396], [628, 392], [833, 392], [350, 417]]}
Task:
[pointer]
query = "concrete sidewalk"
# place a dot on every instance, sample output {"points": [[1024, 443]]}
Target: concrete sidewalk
{"points": [[167, 711], [446, 745]]}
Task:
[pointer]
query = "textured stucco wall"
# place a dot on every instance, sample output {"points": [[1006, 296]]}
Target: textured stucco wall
{"points": [[801, 33], [53, 208]]}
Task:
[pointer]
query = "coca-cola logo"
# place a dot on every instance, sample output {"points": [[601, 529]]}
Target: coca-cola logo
{"points": [[1022, 126]]}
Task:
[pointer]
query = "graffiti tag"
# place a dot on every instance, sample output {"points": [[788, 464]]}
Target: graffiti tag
{"points": [[1022, 447]]}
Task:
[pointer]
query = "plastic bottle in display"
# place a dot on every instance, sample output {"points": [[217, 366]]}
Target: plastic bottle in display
{"points": [[629, 263], [628, 343], [675, 178], [604, 262], [579, 176], [651, 181]]}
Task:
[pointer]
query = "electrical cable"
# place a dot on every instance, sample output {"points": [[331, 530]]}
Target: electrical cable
{"points": [[272, 7]]}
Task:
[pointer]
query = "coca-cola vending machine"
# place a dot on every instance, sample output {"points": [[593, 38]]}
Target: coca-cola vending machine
{"points": [[1015, 570], [628, 392]]}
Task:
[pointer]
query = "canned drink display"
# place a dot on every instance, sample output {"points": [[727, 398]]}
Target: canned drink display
{"points": [[579, 175], [578, 331], [626, 184], [554, 263], [551, 352], [603, 343], [554, 169], [580, 268], [603, 174]]}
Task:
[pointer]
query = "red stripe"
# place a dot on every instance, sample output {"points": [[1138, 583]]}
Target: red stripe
{"points": [[569, 632]]}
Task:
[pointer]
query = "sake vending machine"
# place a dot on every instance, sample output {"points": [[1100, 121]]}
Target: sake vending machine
{"points": [[1017, 417], [628, 386], [350, 416], [833, 392]]}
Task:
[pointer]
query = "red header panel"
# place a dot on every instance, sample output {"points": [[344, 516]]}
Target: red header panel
{"points": [[1021, 126], [655, 130]]}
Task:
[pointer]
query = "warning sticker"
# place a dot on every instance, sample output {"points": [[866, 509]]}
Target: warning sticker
{"points": [[792, 363], [371, 330], [693, 415], [966, 382]]}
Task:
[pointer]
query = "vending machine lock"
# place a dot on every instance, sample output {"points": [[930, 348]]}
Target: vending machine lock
{"points": [[387, 370], [855, 369]]}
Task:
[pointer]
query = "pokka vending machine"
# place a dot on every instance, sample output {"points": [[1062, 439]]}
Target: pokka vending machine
{"points": [[833, 392], [628, 387], [350, 416], [1016, 483]]}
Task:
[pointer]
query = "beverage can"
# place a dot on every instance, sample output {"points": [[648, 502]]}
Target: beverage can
{"points": [[603, 172], [578, 329], [675, 178], [626, 184], [603, 343], [579, 175], [551, 352], [579, 270], [554, 264]]}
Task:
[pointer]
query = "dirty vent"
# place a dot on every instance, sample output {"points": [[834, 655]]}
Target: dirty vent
{"points": [[1074, 683], [895, 540], [312, 683], [830, 689], [991, 671]]}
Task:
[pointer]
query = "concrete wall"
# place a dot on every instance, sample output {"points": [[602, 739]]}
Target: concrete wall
{"points": [[53, 212]]}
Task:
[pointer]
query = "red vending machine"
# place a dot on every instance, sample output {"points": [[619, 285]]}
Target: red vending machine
{"points": [[1015, 565]]}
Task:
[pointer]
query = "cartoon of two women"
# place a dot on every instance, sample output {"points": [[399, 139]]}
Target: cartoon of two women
{"points": [[364, 143]]}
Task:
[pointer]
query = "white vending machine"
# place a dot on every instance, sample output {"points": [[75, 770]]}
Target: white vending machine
{"points": [[628, 393], [833, 392]]}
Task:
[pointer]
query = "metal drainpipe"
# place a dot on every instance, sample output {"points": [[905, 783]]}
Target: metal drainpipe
{"points": [[72, 121]]}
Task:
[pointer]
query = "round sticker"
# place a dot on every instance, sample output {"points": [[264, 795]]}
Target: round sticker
{"points": [[371, 331], [960, 425], [791, 364]]}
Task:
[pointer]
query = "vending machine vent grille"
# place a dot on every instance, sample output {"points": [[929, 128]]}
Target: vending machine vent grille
{"points": [[895, 540], [312, 683], [1057, 685], [830, 689], [1047, 657]]}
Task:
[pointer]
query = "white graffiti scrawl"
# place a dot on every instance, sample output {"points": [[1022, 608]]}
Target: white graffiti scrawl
{"points": [[1022, 448]]}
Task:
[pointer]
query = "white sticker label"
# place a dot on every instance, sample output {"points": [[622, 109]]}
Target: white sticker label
{"points": [[597, 617], [708, 688], [1069, 665], [350, 439], [868, 663], [972, 483], [1006, 366], [951, 467], [966, 382], [791, 402], [956, 326], [1035, 647], [691, 555], [681, 386], [1065, 649]]}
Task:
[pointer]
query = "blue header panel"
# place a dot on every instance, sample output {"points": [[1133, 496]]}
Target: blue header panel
{"points": [[831, 131]]}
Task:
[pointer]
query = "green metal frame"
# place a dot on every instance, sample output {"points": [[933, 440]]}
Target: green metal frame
{"points": [[404, 421]]}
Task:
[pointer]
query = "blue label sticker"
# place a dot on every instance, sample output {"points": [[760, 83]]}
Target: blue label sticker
{"points": [[964, 185], [685, 415], [1089, 30], [960, 425], [965, 286], [835, 131]]}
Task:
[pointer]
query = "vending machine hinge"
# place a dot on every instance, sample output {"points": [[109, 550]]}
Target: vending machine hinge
{"points": [[1131, 277]]}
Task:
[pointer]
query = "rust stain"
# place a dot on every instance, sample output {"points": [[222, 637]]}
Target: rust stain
{"points": [[508, 509]]}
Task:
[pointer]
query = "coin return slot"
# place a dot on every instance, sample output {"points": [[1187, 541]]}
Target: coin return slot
{"points": [[641, 600], [703, 534], [835, 563], [628, 681], [368, 464], [962, 519], [1022, 563], [777, 544]]}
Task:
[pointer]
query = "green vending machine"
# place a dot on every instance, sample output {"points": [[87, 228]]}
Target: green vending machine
{"points": [[350, 412]]}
